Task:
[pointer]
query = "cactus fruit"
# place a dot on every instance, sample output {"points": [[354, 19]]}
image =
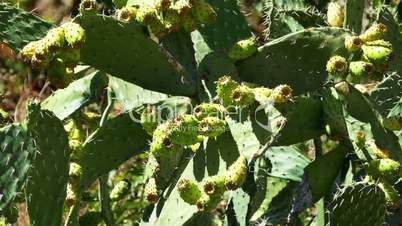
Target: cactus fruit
{"points": [[161, 4], [203, 12], [353, 43], [386, 168], [75, 173], [88, 7], [182, 7], [171, 20], [243, 96], [335, 14], [146, 14], [224, 88], [337, 66], [71, 196], [54, 39], [361, 69], [161, 143], [151, 191], [90, 218], [392, 197], [209, 110], [184, 130], [214, 185], [375, 32], [243, 49], [262, 94], [127, 14], [188, 191], [207, 203], [158, 27], [58, 74], [212, 126], [74, 34], [149, 119], [76, 135], [28, 51], [380, 153], [236, 174], [121, 189], [377, 51], [281, 94]]}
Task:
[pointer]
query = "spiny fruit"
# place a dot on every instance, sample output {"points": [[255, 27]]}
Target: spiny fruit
{"points": [[361, 68], [353, 43], [75, 133], [70, 57], [207, 203], [375, 32], [243, 96], [281, 94], [243, 49], [88, 7], [146, 14], [203, 12], [158, 27], [189, 23], [262, 94], [224, 89], [75, 173], [335, 14], [377, 51], [127, 14], [185, 130], [392, 196], [182, 7], [149, 119], [212, 126], [214, 185], [386, 168], [161, 142], [28, 51], [209, 110], [42, 55], [54, 39], [151, 191], [171, 20], [74, 34], [58, 74], [160, 4], [71, 196], [121, 189], [380, 153], [236, 174], [188, 191], [337, 66]]}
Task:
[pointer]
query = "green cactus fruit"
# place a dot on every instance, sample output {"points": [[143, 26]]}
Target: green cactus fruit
{"points": [[392, 123], [172, 20], [335, 14], [70, 57], [185, 130], [183, 7], [74, 34], [189, 23], [146, 14], [392, 197], [236, 174], [281, 94], [54, 39], [149, 119], [212, 127], [158, 27], [209, 110], [28, 51], [88, 7], [71, 196], [384, 168], [361, 68], [58, 74], [42, 54], [262, 94], [224, 89], [243, 96], [10, 214], [151, 191], [161, 4], [161, 142], [75, 173], [353, 43], [243, 49], [377, 51], [90, 218], [76, 135], [120, 189], [214, 185], [127, 14], [337, 66], [375, 32], [380, 153], [203, 12], [207, 203], [188, 191]]}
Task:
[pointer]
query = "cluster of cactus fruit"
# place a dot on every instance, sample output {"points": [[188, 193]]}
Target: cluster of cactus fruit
{"points": [[235, 130]]}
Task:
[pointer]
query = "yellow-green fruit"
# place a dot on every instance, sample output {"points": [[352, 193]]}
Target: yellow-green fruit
{"points": [[161, 142], [224, 88], [281, 94], [378, 51], [76, 135], [149, 119], [183, 7], [207, 203], [335, 14], [212, 126], [54, 39], [161, 4], [203, 12], [171, 20], [88, 7], [42, 53], [189, 23], [71, 196], [158, 27], [121, 189], [127, 14], [70, 57], [58, 74], [146, 14], [243, 49], [236, 174], [28, 51], [185, 130], [262, 94], [151, 191], [375, 32], [188, 191], [385, 168], [75, 173], [353, 43], [74, 34], [361, 68], [209, 110], [214, 185], [392, 196], [243, 96], [337, 66]]}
